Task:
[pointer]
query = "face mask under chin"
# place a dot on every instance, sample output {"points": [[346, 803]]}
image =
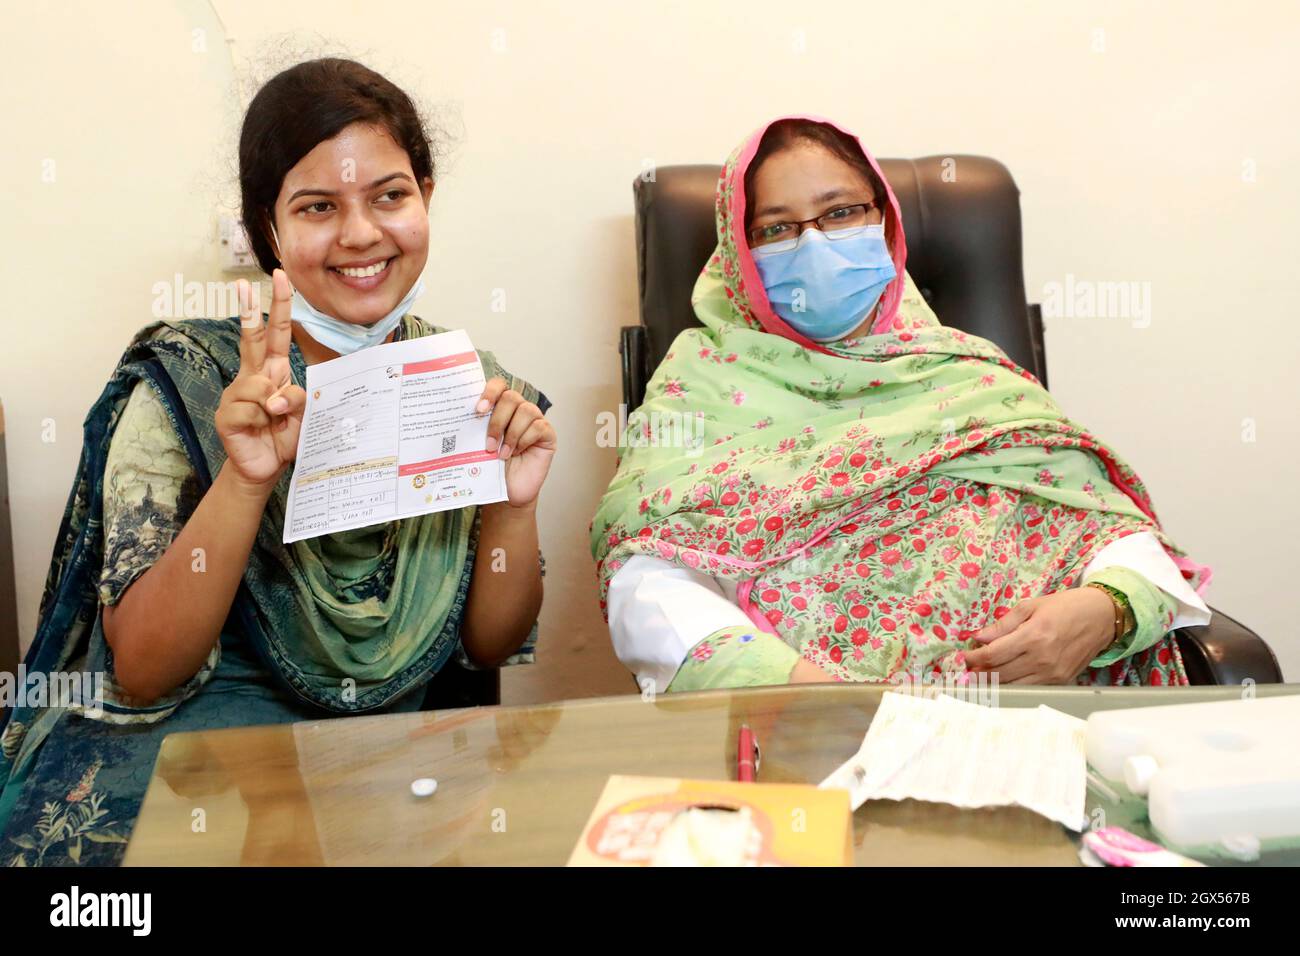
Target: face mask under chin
{"points": [[346, 337]]}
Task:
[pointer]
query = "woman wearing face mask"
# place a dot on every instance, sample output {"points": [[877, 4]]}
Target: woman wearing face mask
{"points": [[875, 497], [207, 619]]}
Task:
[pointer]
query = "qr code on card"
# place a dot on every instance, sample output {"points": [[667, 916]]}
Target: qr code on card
{"points": [[448, 444]]}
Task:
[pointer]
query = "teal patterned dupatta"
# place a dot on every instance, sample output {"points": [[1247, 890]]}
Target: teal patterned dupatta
{"points": [[346, 623]]}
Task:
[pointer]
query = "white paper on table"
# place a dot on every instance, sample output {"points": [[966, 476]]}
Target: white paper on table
{"points": [[949, 751], [390, 432]]}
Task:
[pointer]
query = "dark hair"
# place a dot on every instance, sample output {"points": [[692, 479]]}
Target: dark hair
{"points": [[787, 132], [302, 107]]}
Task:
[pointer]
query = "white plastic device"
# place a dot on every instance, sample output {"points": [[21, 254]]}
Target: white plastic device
{"points": [[1211, 772]]}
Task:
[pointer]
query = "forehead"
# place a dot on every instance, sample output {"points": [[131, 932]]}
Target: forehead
{"points": [[804, 170], [356, 156]]}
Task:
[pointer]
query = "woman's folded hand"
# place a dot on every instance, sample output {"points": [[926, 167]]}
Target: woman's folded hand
{"points": [[1046, 640]]}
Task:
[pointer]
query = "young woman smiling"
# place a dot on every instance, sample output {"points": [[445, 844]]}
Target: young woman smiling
{"points": [[170, 575]]}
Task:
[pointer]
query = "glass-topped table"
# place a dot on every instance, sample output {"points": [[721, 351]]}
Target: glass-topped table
{"points": [[515, 785]]}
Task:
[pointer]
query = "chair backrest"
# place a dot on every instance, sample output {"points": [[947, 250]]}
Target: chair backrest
{"points": [[961, 215]]}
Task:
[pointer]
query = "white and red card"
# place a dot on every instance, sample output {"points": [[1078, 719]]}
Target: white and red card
{"points": [[391, 432]]}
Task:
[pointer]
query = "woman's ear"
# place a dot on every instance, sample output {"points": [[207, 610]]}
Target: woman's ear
{"points": [[271, 236], [426, 189]]}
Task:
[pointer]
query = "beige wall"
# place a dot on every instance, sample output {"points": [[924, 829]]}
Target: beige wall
{"points": [[1160, 150]]}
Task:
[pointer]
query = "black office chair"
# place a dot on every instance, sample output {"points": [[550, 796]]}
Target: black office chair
{"points": [[456, 686], [961, 216]]}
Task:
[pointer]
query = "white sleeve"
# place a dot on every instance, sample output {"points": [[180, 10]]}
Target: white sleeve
{"points": [[1143, 553], [659, 611]]}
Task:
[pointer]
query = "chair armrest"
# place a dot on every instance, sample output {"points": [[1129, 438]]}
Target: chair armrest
{"points": [[1226, 652], [9, 642], [634, 347], [1036, 340]]}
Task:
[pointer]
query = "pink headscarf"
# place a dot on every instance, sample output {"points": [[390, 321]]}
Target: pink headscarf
{"points": [[731, 188]]}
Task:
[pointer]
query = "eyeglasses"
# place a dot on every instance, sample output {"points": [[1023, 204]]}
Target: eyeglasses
{"points": [[830, 222]]}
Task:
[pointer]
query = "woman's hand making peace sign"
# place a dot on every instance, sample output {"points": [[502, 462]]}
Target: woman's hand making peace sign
{"points": [[261, 411]]}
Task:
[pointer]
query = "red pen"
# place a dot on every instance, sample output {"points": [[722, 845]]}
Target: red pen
{"points": [[746, 755]]}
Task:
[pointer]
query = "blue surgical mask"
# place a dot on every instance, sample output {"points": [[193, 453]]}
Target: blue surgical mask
{"points": [[346, 337], [824, 288]]}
